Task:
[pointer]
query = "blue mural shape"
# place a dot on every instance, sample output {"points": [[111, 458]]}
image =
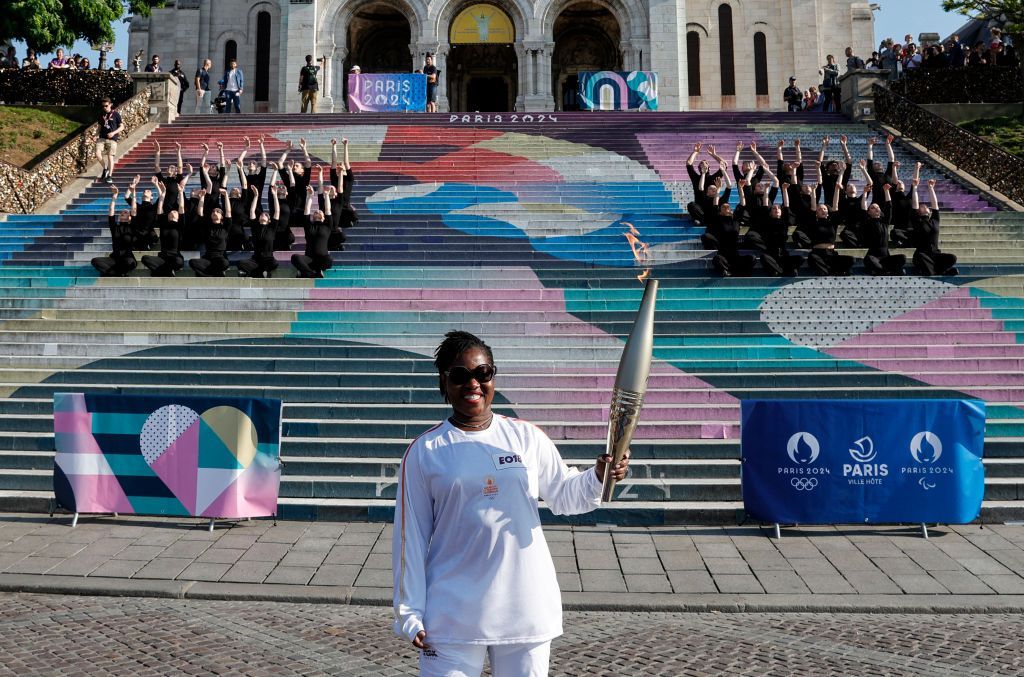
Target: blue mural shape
{"points": [[612, 90]]}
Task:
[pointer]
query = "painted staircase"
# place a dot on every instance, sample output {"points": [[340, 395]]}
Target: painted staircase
{"points": [[511, 229]]}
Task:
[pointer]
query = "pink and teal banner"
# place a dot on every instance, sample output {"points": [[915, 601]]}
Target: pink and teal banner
{"points": [[387, 92], [217, 457]]}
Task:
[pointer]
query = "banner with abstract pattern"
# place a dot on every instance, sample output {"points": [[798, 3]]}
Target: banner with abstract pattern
{"points": [[612, 90], [217, 457]]}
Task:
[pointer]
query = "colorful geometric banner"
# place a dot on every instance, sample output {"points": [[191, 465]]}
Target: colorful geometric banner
{"points": [[387, 92], [611, 90], [863, 461], [162, 455]]}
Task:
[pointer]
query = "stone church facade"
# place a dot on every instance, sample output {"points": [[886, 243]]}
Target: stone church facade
{"points": [[708, 54]]}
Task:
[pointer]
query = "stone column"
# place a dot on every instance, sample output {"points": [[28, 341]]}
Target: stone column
{"points": [[441, 62], [163, 95], [668, 52], [539, 95], [203, 48], [328, 75], [298, 37]]}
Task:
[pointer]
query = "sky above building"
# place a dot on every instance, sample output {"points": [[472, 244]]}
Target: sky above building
{"points": [[894, 19]]}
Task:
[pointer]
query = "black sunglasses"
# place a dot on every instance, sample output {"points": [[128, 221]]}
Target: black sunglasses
{"points": [[483, 373]]}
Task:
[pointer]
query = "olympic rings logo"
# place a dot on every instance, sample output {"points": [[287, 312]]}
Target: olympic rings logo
{"points": [[804, 483]]}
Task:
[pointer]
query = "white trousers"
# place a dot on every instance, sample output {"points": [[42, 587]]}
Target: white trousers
{"points": [[467, 660]]}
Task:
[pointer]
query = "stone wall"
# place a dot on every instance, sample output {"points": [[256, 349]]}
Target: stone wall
{"points": [[23, 191]]}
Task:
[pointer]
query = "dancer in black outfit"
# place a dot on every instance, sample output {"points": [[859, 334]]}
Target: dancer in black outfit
{"points": [[296, 177], [121, 260], [263, 229], [316, 258], [823, 258], [851, 212], [928, 258], [283, 236], [834, 171], [773, 224], [254, 175], [875, 232], [168, 260], [704, 192], [728, 260], [143, 215], [214, 262]]}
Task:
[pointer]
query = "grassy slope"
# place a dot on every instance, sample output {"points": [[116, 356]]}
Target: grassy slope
{"points": [[1007, 132], [29, 133]]}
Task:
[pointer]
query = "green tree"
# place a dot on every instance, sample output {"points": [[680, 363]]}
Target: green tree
{"points": [[47, 24], [1010, 10]]}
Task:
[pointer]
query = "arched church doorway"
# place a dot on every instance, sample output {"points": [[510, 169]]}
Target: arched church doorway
{"points": [[586, 39], [378, 41], [483, 69]]}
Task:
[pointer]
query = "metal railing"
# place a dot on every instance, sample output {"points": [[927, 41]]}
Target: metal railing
{"points": [[999, 170]]}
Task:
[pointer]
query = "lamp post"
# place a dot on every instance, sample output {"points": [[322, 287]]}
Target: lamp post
{"points": [[103, 48]]}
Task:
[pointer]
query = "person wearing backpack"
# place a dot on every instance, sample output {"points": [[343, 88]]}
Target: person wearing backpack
{"points": [[308, 84]]}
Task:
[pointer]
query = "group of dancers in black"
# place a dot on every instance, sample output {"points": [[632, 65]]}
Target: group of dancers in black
{"points": [[217, 221], [884, 214]]}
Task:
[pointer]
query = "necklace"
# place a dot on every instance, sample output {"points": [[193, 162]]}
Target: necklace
{"points": [[465, 424]]}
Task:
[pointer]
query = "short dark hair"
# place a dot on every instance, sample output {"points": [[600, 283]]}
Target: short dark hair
{"points": [[309, 58], [105, 100], [454, 344]]}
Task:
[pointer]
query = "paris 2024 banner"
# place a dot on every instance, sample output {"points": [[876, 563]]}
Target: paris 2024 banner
{"points": [[166, 455], [387, 92], [863, 461]]}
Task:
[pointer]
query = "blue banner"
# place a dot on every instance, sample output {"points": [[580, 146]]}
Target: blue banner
{"points": [[387, 92], [863, 461], [612, 90]]}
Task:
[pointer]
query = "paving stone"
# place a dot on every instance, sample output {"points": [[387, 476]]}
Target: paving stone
{"points": [[28, 544], [936, 561], [141, 553], [636, 550], [562, 549], [602, 580], [984, 566], [592, 540], [105, 546], [248, 571], [375, 578], [827, 583], [673, 541], [854, 561], [336, 574], [217, 555], [631, 535], [323, 530], [597, 559], [682, 560], [236, 541], [726, 565], [557, 534], [717, 549], [781, 582], [348, 554], [204, 571], [266, 552], [897, 566], [961, 582], [351, 537], [118, 568], [794, 548], [685, 582], [291, 575], [377, 562], [1004, 584], [641, 565], [59, 549], [918, 584], [163, 568], [990, 541], [564, 564], [188, 549], [814, 566], [288, 535], [647, 583], [78, 566], [164, 537], [305, 558], [569, 581], [737, 583], [33, 565], [767, 560], [871, 583]]}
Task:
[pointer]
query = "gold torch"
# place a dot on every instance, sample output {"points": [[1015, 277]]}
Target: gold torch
{"points": [[630, 386]]}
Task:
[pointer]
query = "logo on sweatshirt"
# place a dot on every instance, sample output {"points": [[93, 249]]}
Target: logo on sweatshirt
{"points": [[490, 488]]}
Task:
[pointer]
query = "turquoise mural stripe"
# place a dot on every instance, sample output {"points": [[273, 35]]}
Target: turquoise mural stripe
{"points": [[129, 465], [151, 505], [118, 424]]}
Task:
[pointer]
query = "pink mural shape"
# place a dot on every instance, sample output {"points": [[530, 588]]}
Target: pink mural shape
{"points": [[178, 465]]}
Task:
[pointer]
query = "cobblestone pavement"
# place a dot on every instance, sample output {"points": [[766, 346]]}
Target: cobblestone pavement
{"points": [[659, 562], [75, 635]]}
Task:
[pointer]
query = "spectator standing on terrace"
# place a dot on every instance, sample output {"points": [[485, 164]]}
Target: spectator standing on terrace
{"points": [[154, 65], [830, 85], [117, 67], [874, 63], [473, 575], [60, 61], [793, 96], [309, 86], [202, 83], [956, 52], [430, 70], [978, 56], [10, 60], [110, 128], [178, 73], [233, 83], [121, 259], [30, 62], [853, 62], [84, 65]]}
